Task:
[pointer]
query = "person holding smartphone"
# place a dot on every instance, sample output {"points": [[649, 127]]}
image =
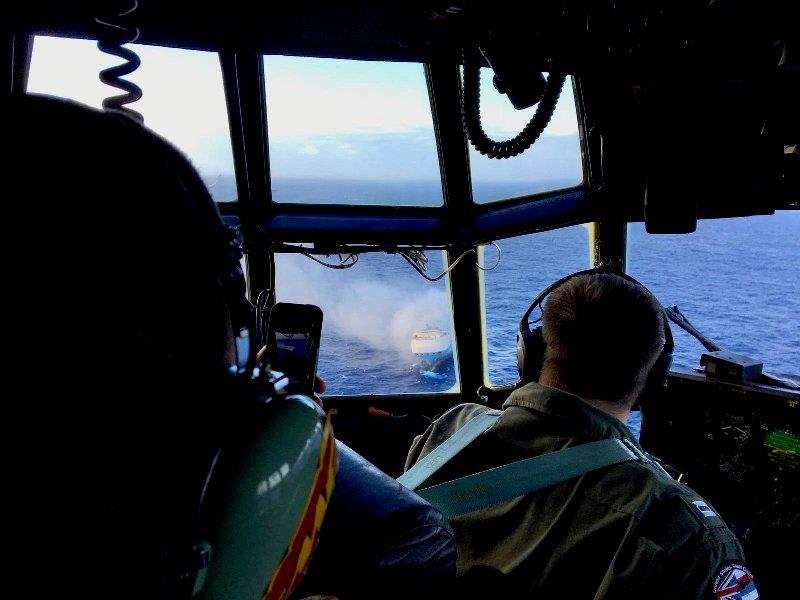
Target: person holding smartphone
{"points": [[319, 382]]}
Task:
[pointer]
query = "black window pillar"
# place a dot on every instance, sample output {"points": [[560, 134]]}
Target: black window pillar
{"points": [[444, 87], [243, 78]]}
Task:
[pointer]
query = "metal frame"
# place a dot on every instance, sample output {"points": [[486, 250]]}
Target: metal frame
{"points": [[444, 90], [243, 79], [18, 52], [608, 243], [420, 226], [609, 235]]}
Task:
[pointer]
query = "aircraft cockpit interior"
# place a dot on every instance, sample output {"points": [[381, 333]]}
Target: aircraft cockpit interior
{"points": [[398, 181]]}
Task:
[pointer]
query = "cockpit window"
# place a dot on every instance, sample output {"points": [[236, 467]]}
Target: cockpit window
{"points": [[386, 330], [183, 99], [350, 132], [554, 161], [528, 265], [736, 280]]}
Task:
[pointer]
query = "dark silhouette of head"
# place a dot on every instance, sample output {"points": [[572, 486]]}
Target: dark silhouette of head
{"points": [[120, 298]]}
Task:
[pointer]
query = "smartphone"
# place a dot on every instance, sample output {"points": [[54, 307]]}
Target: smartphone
{"points": [[293, 340]]}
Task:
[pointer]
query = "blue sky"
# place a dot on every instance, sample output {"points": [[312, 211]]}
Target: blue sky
{"points": [[327, 118]]}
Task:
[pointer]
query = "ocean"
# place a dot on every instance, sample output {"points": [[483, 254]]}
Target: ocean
{"points": [[737, 280]]}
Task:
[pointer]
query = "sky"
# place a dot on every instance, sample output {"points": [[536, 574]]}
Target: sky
{"points": [[327, 118]]}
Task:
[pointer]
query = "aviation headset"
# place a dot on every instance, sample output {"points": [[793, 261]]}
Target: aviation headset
{"points": [[219, 495], [531, 346]]}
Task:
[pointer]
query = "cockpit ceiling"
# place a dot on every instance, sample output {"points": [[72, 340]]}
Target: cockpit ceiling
{"points": [[404, 31], [571, 33]]}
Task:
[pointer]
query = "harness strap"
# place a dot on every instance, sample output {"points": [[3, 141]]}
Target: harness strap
{"points": [[500, 484], [441, 455]]}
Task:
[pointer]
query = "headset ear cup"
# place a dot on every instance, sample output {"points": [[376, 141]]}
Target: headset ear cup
{"points": [[657, 377], [530, 354], [521, 358]]}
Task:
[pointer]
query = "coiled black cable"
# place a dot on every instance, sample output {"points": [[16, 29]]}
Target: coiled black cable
{"points": [[471, 112], [113, 33]]}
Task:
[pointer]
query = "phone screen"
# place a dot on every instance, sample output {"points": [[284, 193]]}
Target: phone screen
{"points": [[293, 340]]}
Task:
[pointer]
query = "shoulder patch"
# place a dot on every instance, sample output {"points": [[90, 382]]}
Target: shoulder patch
{"points": [[734, 582], [706, 514]]}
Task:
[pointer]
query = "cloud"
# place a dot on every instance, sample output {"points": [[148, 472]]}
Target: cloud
{"points": [[412, 156], [320, 97], [328, 118], [348, 147]]}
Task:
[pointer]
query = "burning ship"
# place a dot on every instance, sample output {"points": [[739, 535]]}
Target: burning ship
{"points": [[434, 349]]}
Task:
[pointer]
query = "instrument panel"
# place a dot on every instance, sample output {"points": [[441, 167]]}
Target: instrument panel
{"points": [[737, 445]]}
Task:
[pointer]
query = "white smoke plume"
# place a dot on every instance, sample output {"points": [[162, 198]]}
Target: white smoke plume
{"points": [[382, 314]]}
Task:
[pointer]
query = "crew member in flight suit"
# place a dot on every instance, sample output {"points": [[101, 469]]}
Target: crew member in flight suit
{"points": [[625, 531]]}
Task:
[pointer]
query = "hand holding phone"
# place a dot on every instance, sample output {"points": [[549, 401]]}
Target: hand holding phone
{"points": [[293, 341]]}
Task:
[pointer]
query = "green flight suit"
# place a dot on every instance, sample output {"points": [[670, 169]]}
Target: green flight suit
{"points": [[625, 531]]}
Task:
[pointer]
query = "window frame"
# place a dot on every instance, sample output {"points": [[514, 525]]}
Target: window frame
{"points": [[458, 364]]}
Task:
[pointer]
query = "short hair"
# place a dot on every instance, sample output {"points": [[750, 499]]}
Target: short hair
{"points": [[603, 335]]}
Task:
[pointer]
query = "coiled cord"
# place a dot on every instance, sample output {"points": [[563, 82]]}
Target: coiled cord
{"points": [[112, 35], [471, 111]]}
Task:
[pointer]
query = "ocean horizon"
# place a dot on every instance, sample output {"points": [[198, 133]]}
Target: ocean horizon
{"points": [[736, 279]]}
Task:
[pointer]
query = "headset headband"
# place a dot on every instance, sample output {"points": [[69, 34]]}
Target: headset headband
{"points": [[524, 325]]}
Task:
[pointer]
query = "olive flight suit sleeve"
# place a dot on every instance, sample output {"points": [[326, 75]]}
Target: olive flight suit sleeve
{"points": [[692, 555], [710, 565], [714, 569]]}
